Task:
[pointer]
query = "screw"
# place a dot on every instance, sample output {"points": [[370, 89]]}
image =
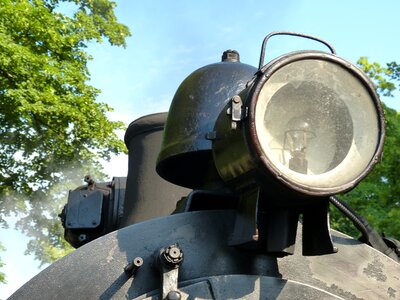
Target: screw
{"points": [[82, 237], [132, 267]]}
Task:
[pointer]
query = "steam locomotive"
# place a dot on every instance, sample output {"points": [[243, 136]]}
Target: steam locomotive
{"points": [[220, 190]]}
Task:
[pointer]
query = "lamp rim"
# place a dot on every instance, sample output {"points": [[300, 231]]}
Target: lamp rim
{"points": [[254, 145]]}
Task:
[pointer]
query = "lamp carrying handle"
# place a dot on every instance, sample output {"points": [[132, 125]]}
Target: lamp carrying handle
{"points": [[264, 44]]}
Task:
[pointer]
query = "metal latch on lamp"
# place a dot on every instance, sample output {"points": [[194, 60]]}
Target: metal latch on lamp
{"points": [[236, 111]]}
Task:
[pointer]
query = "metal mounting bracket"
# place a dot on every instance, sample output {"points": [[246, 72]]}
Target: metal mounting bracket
{"points": [[169, 260]]}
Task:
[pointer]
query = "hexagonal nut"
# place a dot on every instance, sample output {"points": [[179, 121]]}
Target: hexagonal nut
{"points": [[172, 255]]}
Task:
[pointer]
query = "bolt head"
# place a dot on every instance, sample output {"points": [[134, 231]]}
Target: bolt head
{"points": [[172, 255], [173, 295], [236, 99], [138, 262]]}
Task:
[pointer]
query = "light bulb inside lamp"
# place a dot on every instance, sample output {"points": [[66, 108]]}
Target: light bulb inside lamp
{"points": [[296, 141]]}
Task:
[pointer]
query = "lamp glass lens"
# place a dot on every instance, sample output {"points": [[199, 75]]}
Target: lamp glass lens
{"points": [[317, 123]]}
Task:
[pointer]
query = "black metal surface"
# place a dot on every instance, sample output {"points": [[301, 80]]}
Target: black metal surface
{"points": [[84, 209], [118, 185], [207, 200], [96, 270], [265, 225], [316, 231], [185, 156], [247, 287], [93, 210], [245, 228], [148, 123], [147, 194]]}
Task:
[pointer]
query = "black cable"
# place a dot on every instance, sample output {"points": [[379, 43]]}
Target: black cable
{"points": [[352, 215], [370, 236]]}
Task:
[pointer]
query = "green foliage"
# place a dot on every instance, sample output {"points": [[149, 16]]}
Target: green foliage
{"points": [[380, 75], [53, 131], [377, 198], [50, 119], [2, 275]]}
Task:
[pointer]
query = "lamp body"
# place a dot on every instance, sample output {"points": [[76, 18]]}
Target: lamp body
{"points": [[342, 135]]}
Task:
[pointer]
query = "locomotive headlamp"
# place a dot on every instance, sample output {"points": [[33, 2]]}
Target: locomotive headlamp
{"points": [[308, 125], [309, 119], [314, 122]]}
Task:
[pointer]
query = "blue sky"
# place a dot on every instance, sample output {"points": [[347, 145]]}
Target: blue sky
{"points": [[170, 39], [173, 38]]}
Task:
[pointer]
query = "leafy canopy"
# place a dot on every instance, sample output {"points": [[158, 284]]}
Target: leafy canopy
{"points": [[52, 129], [49, 118]]}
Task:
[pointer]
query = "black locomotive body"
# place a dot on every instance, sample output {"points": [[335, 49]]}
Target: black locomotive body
{"points": [[221, 189]]}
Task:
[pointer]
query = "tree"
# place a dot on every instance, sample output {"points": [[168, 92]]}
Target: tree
{"points": [[377, 198], [52, 129], [2, 275]]}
